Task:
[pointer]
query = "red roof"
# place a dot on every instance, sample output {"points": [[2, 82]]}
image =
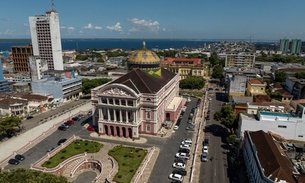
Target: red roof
{"points": [[189, 60], [255, 81]]}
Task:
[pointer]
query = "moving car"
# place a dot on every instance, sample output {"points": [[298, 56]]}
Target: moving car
{"points": [[183, 155], [61, 141], [180, 171], [13, 162], [185, 146], [19, 157], [179, 165], [175, 176], [29, 117], [204, 157]]}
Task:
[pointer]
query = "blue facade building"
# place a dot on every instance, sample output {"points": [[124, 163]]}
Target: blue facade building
{"points": [[4, 84], [59, 87]]}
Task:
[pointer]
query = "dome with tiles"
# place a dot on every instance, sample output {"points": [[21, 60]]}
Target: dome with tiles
{"points": [[145, 60]]}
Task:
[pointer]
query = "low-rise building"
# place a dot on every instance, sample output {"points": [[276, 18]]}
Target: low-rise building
{"points": [[184, 66], [236, 85], [21, 87], [256, 87], [14, 106], [241, 59]]}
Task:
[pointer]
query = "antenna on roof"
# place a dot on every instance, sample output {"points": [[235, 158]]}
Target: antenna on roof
{"points": [[53, 6]]}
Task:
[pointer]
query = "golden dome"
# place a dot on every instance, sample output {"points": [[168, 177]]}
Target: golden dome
{"points": [[144, 56]]}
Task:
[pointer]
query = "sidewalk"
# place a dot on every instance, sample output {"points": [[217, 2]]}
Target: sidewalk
{"points": [[15, 143]]}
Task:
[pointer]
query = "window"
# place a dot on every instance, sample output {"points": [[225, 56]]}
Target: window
{"points": [[148, 128], [262, 88], [300, 135], [282, 126], [148, 115]]}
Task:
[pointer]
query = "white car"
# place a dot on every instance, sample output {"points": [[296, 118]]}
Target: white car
{"points": [[184, 108], [175, 176], [186, 141], [176, 127], [185, 146], [183, 155], [179, 165], [205, 149]]}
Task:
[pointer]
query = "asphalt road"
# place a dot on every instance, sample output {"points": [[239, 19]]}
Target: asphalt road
{"points": [[215, 169]]}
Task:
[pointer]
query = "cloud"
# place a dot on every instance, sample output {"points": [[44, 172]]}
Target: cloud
{"points": [[25, 25], [98, 28], [71, 28], [117, 27], [89, 26], [144, 25], [5, 19], [133, 30]]}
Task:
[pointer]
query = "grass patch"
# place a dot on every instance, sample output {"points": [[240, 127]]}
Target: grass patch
{"points": [[129, 160], [191, 93], [76, 147]]}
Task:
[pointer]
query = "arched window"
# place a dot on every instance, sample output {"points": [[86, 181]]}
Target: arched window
{"points": [[147, 128], [148, 99]]}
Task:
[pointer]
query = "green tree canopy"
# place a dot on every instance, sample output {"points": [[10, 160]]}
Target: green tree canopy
{"points": [[22, 175], [214, 59], [88, 84], [232, 139], [9, 122], [169, 53], [300, 75], [280, 76], [226, 117], [192, 82], [217, 72]]}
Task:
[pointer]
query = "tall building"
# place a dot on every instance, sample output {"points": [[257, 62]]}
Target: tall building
{"points": [[296, 46], [20, 56], [37, 67], [4, 85], [240, 60], [284, 45], [46, 40]]}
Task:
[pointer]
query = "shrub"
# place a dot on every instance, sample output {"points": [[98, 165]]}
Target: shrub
{"points": [[62, 157], [119, 176], [131, 170], [63, 151]]}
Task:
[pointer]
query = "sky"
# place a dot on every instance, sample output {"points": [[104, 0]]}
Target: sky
{"points": [[164, 19]]}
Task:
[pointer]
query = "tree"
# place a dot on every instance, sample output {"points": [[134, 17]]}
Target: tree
{"points": [[9, 122], [21, 175], [217, 72], [280, 76], [192, 82], [214, 59], [232, 139], [88, 84], [226, 117], [300, 75]]}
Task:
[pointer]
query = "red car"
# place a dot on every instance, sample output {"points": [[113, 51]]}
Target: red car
{"points": [[90, 128], [71, 122]]}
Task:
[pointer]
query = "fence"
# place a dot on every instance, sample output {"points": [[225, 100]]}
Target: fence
{"points": [[138, 176], [32, 143]]}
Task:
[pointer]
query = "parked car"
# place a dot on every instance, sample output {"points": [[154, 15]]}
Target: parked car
{"points": [[90, 128], [179, 165], [208, 112], [179, 160], [204, 157], [176, 127], [183, 155], [192, 110], [53, 108], [189, 121], [29, 117], [186, 141], [185, 146], [190, 128], [184, 151], [80, 116], [19, 157], [67, 125], [208, 117], [180, 171], [89, 113], [83, 122], [61, 141], [13, 162], [75, 118], [206, 142], [205, 149], [50, 149], [71, 122], [175, 177], [62, 128]]}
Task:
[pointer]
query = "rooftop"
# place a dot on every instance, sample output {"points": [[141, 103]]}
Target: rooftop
{"points": [[255, 82]]}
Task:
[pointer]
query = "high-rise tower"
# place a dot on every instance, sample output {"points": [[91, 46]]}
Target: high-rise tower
{"points": [[46, 40], [296, 46], [284, 45]]}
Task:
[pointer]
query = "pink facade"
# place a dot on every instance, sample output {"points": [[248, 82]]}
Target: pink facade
{"points": [[119, 110]]}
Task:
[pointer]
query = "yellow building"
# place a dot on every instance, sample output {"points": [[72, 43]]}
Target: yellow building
{"points": [[184, 66], [256, 87]]}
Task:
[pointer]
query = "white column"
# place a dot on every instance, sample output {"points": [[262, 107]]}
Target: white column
{"points": [[114, 114], [102, 114], [126, 113], [108, 114], [134, 117]]}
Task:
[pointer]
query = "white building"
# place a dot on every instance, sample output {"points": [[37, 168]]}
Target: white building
{"points": [[288, 125], [36, 67], [46, 40]]}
